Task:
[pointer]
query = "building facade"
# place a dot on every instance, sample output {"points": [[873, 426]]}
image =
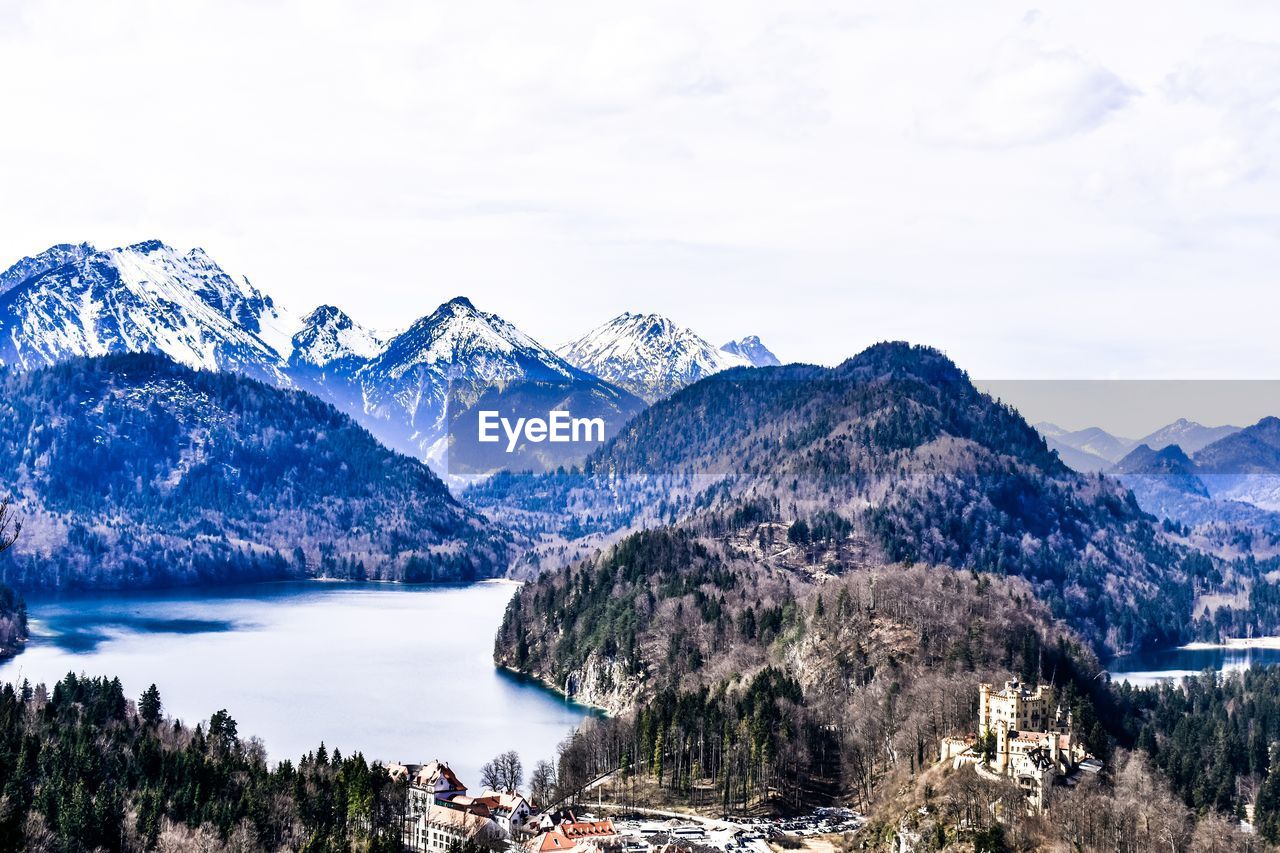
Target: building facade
{"points": [[1023, 735], [438, 812]]}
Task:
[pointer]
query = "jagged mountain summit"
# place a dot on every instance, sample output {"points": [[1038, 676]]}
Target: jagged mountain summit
{"points": [[652, 357], [329, 336], [463, 343], [752, 350], [428, 379], [73, 301], [54, 256]]}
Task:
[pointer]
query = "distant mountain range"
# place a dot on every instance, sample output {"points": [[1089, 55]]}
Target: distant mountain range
{"points": [[131, 470], [1094, 449], [652, 357], [1232, 481], [1223, 480], [411, 390]]}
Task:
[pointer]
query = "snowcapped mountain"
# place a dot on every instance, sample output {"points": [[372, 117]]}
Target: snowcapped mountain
{"points": [[329, 336], [148, 297], [652, 357], [1188, 435], [464, 344], [436, 374], [752, 350], [54, 256], [74, 301]]}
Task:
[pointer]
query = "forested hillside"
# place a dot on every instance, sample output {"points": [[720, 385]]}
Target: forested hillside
{"points": [[892, 457], [764, 677], [130, 470], [738, 685], [84, 768]]}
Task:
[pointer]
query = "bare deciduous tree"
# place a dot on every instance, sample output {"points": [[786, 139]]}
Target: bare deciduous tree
{"points": [[10, 526], [504, 773]]}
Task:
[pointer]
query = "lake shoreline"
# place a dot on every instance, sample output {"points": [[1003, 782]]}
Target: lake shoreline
{"points": [[1233, 643], [544, 684], [397, 672]]}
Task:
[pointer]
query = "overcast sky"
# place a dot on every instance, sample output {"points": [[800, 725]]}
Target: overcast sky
{"points": [[1074, 190]]}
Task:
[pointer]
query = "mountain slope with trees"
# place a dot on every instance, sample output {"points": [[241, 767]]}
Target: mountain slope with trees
{"points": [[739, 684], [892, 457], [735, 684], [130, 470]]}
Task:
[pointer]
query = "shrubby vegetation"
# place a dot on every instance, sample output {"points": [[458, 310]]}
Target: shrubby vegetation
{"points": [[1131, 809], [130, 471]]}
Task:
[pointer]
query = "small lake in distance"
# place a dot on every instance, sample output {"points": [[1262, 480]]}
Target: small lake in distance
{"points": [[1151, 667], [399, 673]]}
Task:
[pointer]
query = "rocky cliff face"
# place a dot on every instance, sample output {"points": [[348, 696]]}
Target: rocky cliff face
{"points": [[604, 684]]}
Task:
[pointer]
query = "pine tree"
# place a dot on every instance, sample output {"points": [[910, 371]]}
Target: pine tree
{"points": [[149, 706], [1266, 809]]}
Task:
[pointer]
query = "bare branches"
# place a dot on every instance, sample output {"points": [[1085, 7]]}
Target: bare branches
{"points": [[10, 526]]}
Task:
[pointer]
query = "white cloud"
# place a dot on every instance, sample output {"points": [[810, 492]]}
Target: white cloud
{"points": [[1237, 82], [1026, 94], [749, 167]]}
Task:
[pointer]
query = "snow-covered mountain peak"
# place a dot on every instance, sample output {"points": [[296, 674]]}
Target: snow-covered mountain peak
{"points": [[457, 333], [147, 247], [459, 303], [328, 335], [458, 355], [648, 354], [51, 258], [74, 300], [753, 350], [145, 297]]}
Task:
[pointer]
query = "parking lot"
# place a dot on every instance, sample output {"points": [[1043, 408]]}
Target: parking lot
{"points": [[647, 830]]}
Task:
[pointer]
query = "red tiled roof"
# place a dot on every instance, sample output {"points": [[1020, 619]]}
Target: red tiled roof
{"points": [[578, 829], [564, 836]]}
